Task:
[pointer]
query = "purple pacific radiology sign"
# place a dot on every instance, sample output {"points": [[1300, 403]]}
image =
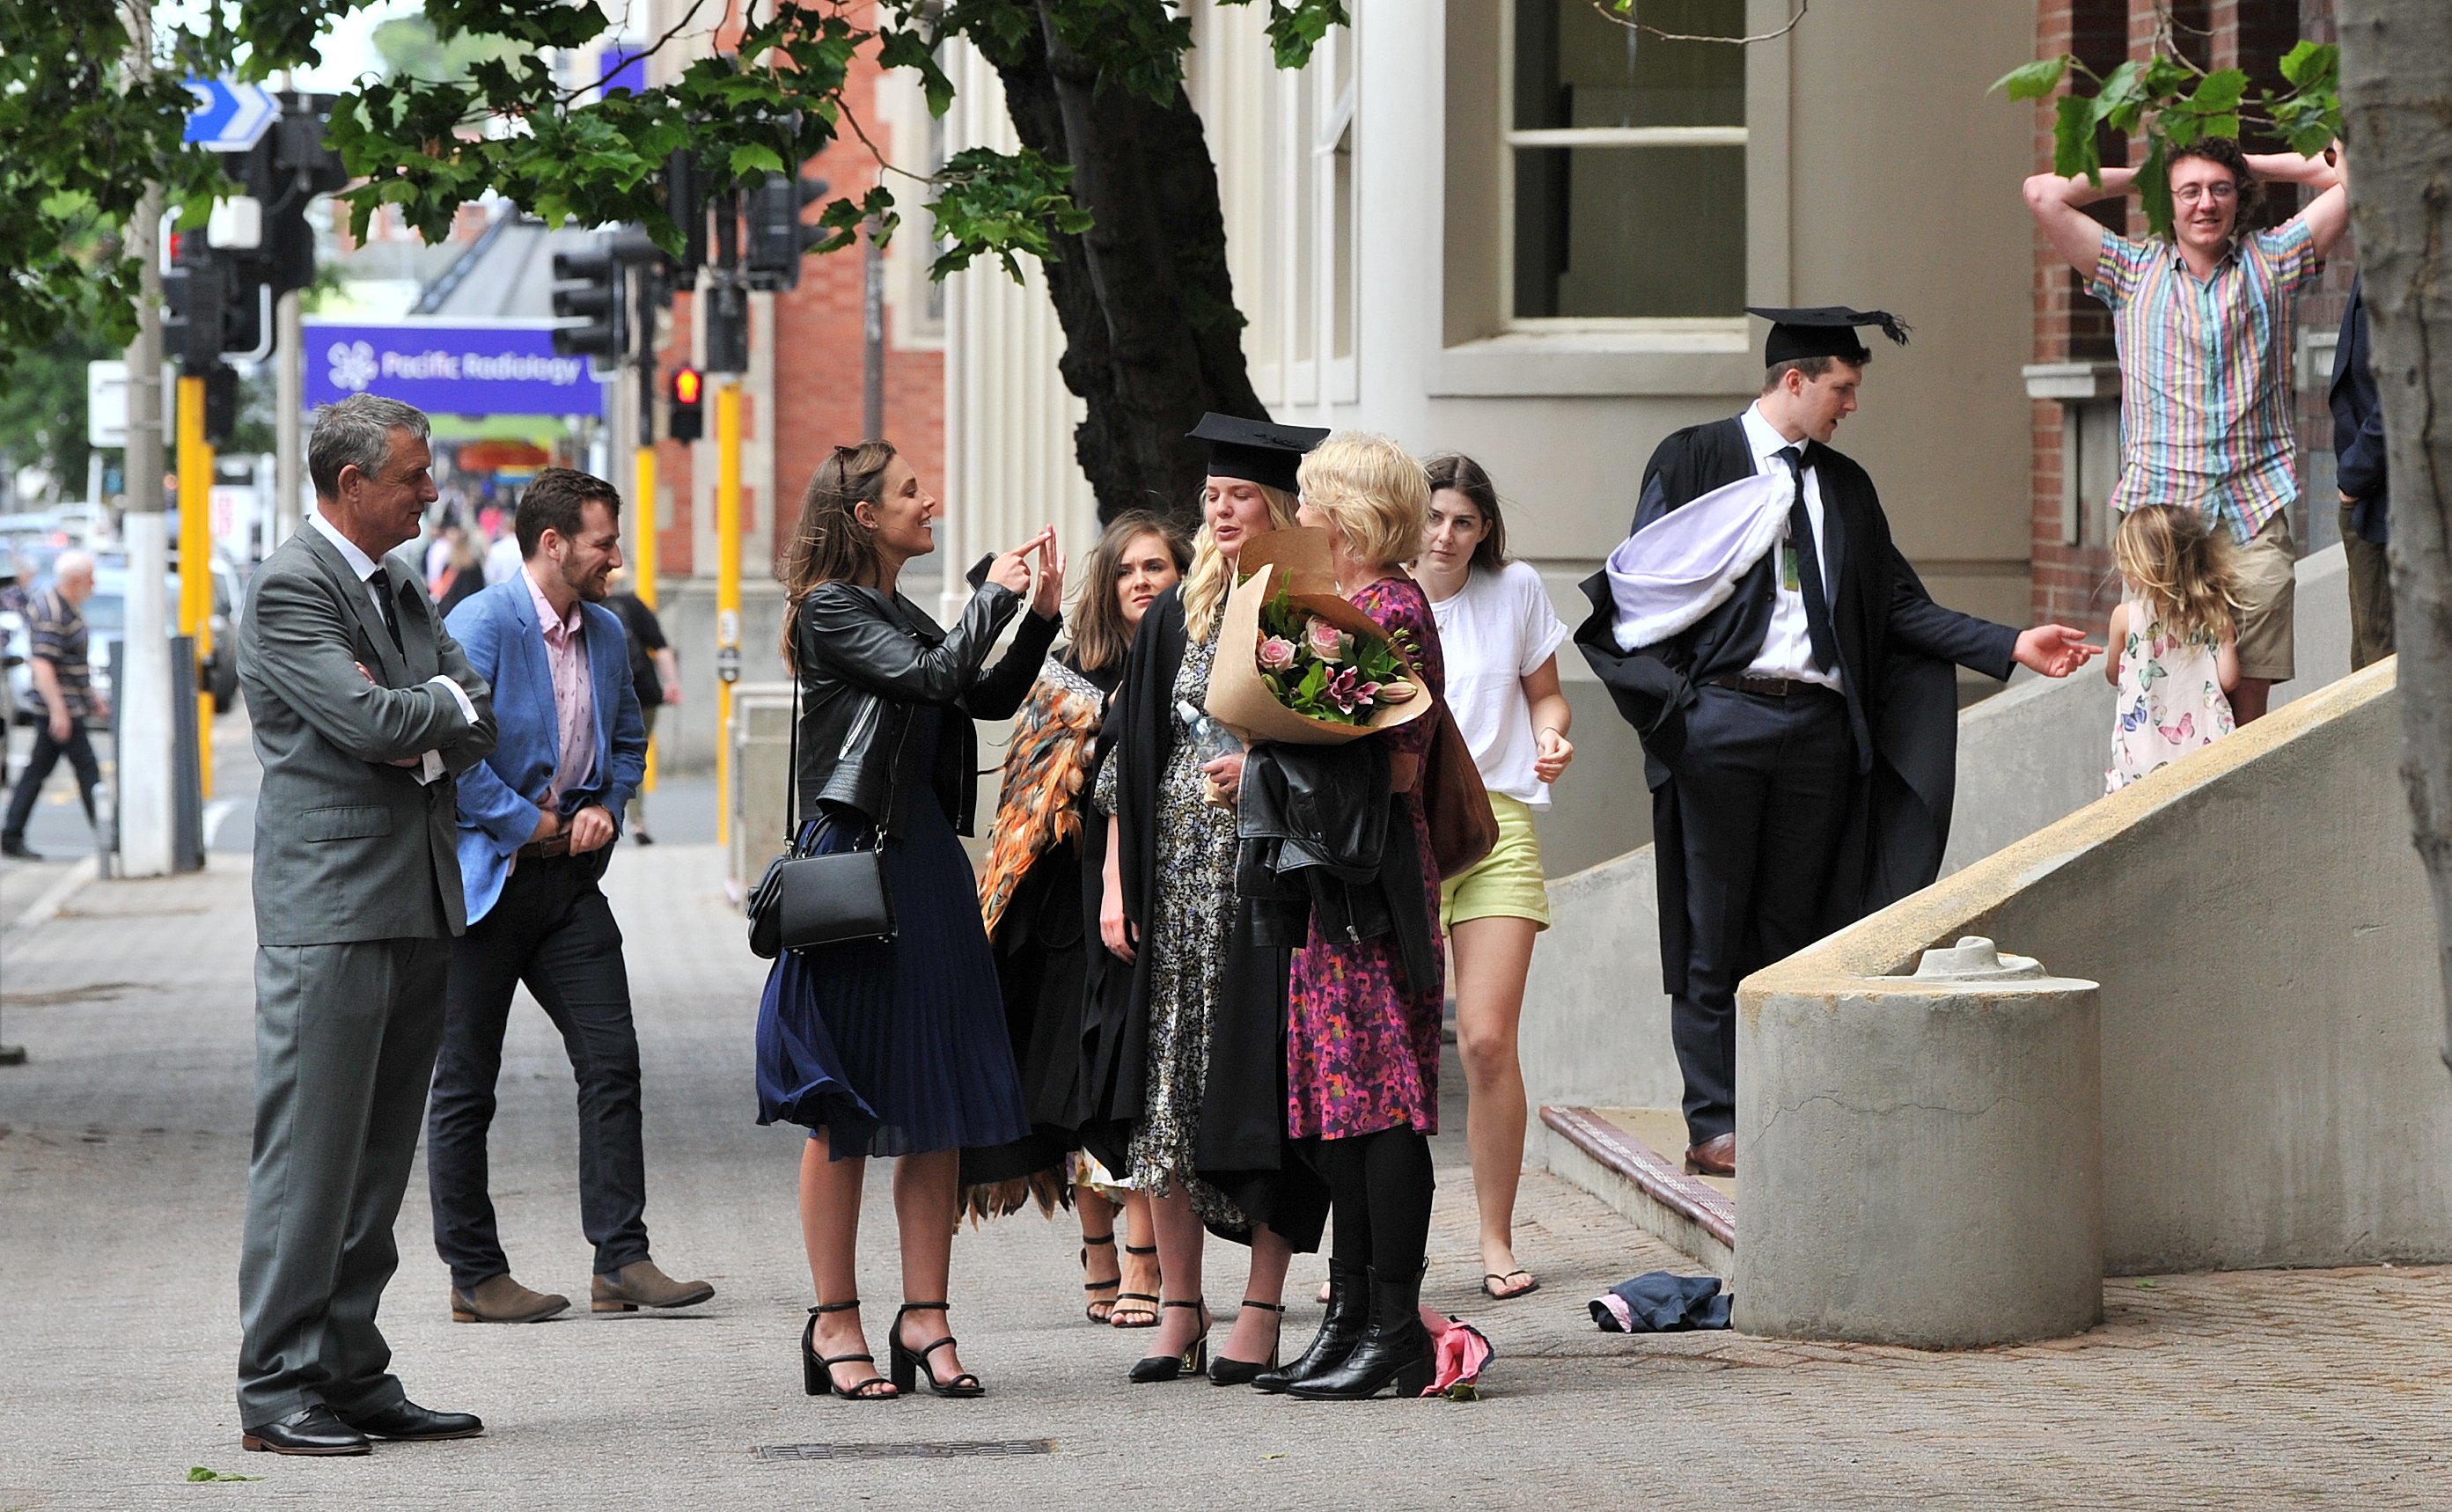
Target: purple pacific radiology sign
{"points": [[446, 367]]}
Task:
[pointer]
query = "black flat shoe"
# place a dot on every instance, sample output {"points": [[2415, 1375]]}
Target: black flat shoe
{"points": [[407, 1423], [816, 1373], [1194, 1361], [1225, 1370], [909, 1364], [309, 1430]]}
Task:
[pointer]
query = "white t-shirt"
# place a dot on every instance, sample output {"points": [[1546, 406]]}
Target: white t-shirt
{"points": [[1494, 633]]}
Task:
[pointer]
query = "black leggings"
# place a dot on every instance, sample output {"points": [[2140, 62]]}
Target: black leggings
{"points": [[1380, 1185]]}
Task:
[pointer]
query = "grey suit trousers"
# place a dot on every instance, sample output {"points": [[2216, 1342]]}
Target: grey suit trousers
{"points": [[344, 1043]]}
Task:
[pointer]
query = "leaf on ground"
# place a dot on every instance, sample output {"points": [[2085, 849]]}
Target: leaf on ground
{"points": [[199, 1473]]}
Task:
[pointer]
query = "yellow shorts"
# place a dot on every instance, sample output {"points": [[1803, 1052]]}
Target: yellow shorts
{"points": [[1507, 883]]}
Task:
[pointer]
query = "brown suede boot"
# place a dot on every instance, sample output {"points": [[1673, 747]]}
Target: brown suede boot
{"points": [[641, 1284], [499, 1299]]}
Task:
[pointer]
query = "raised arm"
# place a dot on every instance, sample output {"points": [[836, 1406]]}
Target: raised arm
{"points": [[2059, 207], [2328, 214], [866, 648]]}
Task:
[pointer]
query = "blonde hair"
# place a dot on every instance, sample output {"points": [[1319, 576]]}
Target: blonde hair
{"points": [[2182, 571], [1205, 585], [1373, 491]]}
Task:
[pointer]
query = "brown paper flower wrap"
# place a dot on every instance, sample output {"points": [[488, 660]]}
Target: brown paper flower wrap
{"points": [[1295, 561]]}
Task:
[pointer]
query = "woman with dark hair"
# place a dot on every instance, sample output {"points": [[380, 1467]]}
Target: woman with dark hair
{"points": [[892, 1048], [1039, 891], [1502, 639]]}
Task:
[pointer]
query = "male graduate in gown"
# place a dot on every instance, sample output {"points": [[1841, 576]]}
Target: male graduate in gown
{"points": [[1790, 681]]}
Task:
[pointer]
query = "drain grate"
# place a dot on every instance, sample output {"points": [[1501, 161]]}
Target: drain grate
{"points": [[922, 1450]]}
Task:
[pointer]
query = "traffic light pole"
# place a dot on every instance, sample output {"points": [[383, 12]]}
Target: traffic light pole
{"points": [[727, 590], [643, 568], [289, 394], [195, 553]]}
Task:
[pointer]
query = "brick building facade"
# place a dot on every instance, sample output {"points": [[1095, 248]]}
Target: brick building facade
{"points": [[2073, 379]]}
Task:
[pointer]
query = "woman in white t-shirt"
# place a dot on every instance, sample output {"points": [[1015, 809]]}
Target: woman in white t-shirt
{"points": [[1501, 638]]}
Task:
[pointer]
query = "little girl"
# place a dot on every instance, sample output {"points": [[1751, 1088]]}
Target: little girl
{"points": [[2176, 651]]}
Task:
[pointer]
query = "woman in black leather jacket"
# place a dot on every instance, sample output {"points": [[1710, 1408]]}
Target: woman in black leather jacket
{"points": [[893, 1048]]}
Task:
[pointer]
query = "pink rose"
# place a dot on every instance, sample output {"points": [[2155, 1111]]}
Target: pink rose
{"points": [[1276, 653], [1327, 641]]}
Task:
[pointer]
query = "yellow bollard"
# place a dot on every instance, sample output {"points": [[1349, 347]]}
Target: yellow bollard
{"points": [[727, 591], [643, 569], [195, 557]]}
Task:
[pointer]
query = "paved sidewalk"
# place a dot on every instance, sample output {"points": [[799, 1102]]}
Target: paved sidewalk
{"points": [[122, 1155]]}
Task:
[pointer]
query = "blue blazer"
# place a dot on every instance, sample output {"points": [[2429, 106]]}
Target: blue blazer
{"points": [[500, 797], [2358, 425]]}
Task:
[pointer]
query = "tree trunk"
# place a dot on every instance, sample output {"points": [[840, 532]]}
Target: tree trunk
{"points": [[1152, 336], [2397, 96]]}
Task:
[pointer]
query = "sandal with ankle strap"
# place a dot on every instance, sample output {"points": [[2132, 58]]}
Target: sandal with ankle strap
{"points": [[1192, 1360], [908, 1364], [1225, 1370], [817, 1371], [1129, 1303], [1094, 1288]]}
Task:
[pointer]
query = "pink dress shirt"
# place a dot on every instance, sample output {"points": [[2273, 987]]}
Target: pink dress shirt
{"points": [[574, 694]]}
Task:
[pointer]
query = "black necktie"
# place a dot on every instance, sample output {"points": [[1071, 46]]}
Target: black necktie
{"points": [[1808, 568], [380, 583]]}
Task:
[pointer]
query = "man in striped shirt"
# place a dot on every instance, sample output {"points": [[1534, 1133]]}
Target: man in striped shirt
{"points": [[2203, 325], [55, 628]]}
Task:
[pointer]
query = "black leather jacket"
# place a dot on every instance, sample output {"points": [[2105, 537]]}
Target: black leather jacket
{"points": [[866, 660]]}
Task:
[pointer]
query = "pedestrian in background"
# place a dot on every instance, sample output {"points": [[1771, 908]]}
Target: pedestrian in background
{"points": [[537, 820], [2359, 473], [1501, 638], [364, 711], [502, 556], [57, 646], [655, 676], [461, 578], [892, 1048], [2174, 643]]}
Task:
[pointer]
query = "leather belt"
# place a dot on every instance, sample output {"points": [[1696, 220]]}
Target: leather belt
{"points": [[1769, 687], [556, 847]]}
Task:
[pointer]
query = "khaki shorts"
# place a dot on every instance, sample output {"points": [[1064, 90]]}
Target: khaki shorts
{"points": [[1507, 883], [2268, 594]]}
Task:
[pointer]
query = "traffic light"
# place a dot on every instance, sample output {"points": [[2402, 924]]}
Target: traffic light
{"points": [[727, 328], [587, 289], [215, 301], [687, 416], [778, 237], [221, 404], [685, 201]]}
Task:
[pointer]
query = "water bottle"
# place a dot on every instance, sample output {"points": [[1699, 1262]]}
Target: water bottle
{"points": [[1210, 739]]}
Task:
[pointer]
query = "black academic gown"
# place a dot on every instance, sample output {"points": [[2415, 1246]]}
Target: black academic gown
{"points": [[1241, 1146], [1896, 647]]}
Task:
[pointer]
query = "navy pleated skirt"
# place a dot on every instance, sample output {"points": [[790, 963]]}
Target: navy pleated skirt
{"points": [[898, 1047]]}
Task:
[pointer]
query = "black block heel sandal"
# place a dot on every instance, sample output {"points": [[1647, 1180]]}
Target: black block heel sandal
{"points": [[908, 1364], [1225, 1370], [817, 1376]]}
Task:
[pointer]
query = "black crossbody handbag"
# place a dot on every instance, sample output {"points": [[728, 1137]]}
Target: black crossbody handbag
{"points": [[807, 901]]}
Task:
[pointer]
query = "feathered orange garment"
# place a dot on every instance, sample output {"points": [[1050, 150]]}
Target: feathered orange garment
{"points": [[1044, 768]]}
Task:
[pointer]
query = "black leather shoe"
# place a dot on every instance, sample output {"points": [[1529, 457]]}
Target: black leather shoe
{"points": [[16, 848], [1340, 1330], [408, 1422], [309, 1430]]}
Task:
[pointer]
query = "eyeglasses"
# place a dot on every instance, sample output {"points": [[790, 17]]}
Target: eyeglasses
{"points": [[2195, 193]]}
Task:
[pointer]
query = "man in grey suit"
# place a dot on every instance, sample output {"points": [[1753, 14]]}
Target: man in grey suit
{"points": [[364, 714]]}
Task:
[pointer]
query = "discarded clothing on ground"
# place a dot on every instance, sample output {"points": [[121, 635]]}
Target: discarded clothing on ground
{"points": [[1658, 1302]]}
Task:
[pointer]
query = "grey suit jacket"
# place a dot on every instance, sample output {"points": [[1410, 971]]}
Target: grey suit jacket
{"points": [[346, 846]]}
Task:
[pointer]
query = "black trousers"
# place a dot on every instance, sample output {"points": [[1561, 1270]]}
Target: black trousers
{"points": [[552, 930], [46, 756], [1762, 792]]}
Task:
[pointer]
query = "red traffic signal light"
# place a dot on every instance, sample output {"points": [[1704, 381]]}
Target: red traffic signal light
{"points": [[686, 421]]}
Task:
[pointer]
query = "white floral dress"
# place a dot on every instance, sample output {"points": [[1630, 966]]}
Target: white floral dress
{"points": [[2171, 700]]}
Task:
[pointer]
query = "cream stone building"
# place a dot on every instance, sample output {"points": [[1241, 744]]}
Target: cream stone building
{"points": [[1519, 229]]}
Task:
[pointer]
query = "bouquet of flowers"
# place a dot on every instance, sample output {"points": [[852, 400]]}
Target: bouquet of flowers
{"points": [[1319, 671]]}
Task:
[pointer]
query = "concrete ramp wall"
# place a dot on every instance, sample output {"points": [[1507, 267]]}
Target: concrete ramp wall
{"points": [[2272, 1092], [1595, 1028]]}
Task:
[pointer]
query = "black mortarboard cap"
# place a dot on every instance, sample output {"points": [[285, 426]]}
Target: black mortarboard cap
{"points": [[1829, 330], [1258, 451]]}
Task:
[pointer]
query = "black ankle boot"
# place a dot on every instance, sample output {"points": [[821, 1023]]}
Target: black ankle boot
{"points": [[1349, 1308], [1395, 1350]]}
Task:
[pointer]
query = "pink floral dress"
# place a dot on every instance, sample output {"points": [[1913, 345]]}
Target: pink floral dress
{"points": [[1363, 1044]]}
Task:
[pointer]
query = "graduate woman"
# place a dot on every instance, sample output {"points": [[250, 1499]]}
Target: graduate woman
{"points": [[1186, 1091], [892, 1048]]}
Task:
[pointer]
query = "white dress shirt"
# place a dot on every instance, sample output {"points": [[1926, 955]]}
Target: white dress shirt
{"points": [[1788, 643], [369, 572]]}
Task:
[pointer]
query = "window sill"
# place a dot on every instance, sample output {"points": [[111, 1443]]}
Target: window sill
{"points": [[1703, 363]]}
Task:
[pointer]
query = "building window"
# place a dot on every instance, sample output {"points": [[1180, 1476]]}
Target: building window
{"points": [[1624, 164]]}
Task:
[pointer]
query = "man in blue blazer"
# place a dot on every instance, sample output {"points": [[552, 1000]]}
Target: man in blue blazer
{"points": [[2359, 470], [538, 818]]}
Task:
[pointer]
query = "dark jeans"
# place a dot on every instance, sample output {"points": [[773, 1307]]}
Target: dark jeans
{"points": [[552, 930], [46, 756], [1762, 792], [2371, 595]]}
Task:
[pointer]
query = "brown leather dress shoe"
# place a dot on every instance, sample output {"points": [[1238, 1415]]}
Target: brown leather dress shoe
{"points": [[499, 1299], [641, 1284], [1716, 1156]]}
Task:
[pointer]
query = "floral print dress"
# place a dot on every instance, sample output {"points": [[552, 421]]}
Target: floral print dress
{"points": [[1363, 1044], [1189, 931], [2171, 700]]}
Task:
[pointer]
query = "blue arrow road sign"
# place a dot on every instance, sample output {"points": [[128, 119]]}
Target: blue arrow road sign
{"points": [[229, 116]]}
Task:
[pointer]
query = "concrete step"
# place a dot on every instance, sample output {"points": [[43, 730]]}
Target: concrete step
{"points": [[1634, 1160]]}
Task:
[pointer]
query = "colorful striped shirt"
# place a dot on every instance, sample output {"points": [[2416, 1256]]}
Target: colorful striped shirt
{"points": [[2205, 373]]}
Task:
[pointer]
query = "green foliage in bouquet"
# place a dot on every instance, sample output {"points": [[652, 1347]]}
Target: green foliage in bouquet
{"points": [[1322, 671]]}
